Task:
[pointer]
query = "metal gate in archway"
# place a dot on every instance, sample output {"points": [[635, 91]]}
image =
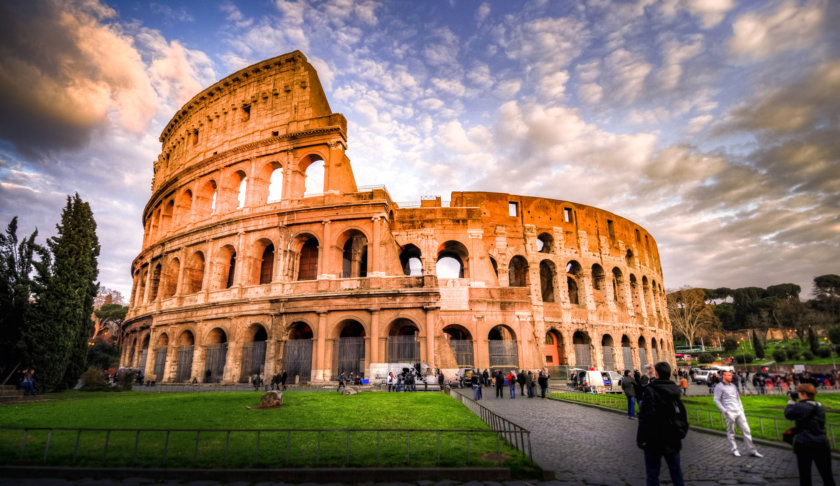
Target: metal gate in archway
{"points": [[215, 362], [160, 363], [463, 351], [349, 356], [185, 361], [253, 360], [143, 357], [404, 349], [297, 360], [503, 353], [627, 351], [583, 356], [642, 358], [609, 365]]}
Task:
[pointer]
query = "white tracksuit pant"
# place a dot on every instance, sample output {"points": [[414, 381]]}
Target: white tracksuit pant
{"points": [[739, 419]]}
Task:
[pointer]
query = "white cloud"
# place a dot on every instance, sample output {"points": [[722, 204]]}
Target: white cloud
{"points": [[482, 12], [508, 88], [553, 86], [674, 54], [591, 92], [628, 71], [710, 12], [788, 28]]}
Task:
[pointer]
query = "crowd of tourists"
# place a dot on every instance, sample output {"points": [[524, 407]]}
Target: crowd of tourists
{"points": [[663, 420], [762, 382], [526, 380]]}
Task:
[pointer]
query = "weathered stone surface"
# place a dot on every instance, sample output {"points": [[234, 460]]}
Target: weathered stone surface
{"points": [[350, 390], [243, 267], [272, 399]]}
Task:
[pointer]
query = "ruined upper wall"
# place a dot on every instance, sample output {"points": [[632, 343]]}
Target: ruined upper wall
{"points": [[272, 98]]}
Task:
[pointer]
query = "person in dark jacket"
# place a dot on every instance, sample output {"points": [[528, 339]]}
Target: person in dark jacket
{"points": [[811, 443], [542, 380], [500, 383], [628, 385], [663, 423], [521, 379]]}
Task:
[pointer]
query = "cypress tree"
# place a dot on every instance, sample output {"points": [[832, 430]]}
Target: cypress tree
{"points": [[57, 342], [757, 346]]}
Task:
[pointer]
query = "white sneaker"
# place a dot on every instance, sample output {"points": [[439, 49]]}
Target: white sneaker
{"points": [[757, 454], [736, 453]]}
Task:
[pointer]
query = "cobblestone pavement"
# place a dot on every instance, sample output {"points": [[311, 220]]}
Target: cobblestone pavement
{"points": [[586, 444]]}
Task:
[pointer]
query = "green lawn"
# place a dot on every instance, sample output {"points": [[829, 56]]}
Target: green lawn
{"points": [[702, 411], [230, 410]]}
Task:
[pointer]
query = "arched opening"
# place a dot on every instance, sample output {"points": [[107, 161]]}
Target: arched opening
{"points": [[629, 259], [161, 345], [618, 287], [275, 184], [503, 350], [297, 353], [243, 191], [354, 255], [607, 352], [627, 352], [598, 284], [545, 243], [518, 272], [410, 260], [574, 273], [253, 352], [643, 359], [186, 346], [583, 349], [495, 267], [654, 352], [349, 352], [314, 174], [648, 296], [461, 344], [155, 283], [308, 258], [170, 287], [141, 286], [634, 294], [144, 354], [265, 264], [452, 260], [403, 342], [194, 273], [184, 208], [205, 200], [548, 273], [554, 351], [226, 267], [166, 217], [215, 356], [155, 228]]}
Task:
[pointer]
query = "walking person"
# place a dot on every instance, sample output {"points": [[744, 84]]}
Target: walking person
{"points": [[628, 386], [512, 383], [390, 382], [440, 380], [28, 381], [663, 423], [499, 377], [728, 401], [684, 385], [529, 384], [811, 442], [542, 380], [476, 385], [521, 379], [283, 378], [341, 379]]}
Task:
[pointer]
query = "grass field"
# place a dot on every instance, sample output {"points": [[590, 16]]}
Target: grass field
{"points": [[301, 411], [702, 412]]}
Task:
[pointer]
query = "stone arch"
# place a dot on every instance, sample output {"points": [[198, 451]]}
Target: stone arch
{"points": [[194, 273], [349, 348], [554, 351], [307, 257], [452, 260], [411, 260], [634, 294], [654, 351], [186, 351], [184, 208], [599, 284], [263, 271], [166, 222], [648, 297], [403, 345], [141, 285], [354, 253], [155, 283], [144, 351], [619, 295], [170, 278], [215, 355], [253, 352], [545, 243], [548, 274], [206, 199], [225, 267], [629, 259], [607, 353], [502, 347], [495, 267], [518, 275], [627, 352], [161, 347], [268, 183], [460, 342], [313, 168], [583, 349], [297, 352], [643, 357], [574, 276]]}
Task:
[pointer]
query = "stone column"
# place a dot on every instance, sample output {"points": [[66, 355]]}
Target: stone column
{"points": [[321, 348], [324, 251], [374, 337], [376, 248], [431, 331]]}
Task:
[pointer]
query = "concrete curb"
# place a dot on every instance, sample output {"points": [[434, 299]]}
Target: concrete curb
{"points": [[313, 475], [703, 430]]}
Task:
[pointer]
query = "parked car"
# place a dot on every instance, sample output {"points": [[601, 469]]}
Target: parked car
{"points": [[612, 382], [701, 377]]}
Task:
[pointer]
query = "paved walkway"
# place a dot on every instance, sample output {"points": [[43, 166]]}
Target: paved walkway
{"points": [[587, 444]]}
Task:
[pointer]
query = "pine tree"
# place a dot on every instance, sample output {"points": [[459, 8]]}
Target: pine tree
{"points": [[757, 346], [58, 339]]}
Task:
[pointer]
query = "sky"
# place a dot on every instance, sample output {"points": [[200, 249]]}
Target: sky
{"points": [[714, 124]]}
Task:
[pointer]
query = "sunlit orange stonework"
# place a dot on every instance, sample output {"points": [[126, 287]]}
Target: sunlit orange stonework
{"points": [[243, 270]]}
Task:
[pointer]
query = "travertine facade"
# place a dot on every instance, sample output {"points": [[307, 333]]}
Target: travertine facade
{"points": [[243, 269]]}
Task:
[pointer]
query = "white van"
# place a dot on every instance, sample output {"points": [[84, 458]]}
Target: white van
{"points": [[589, 381]]}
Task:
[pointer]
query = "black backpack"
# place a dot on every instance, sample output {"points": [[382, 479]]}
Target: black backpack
{"points": [[671, 411]]}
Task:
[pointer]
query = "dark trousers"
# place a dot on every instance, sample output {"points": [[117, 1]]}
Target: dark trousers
{"points": [[500, 393], [822, 457], [522, 389], [542, 390], [653, 462]]}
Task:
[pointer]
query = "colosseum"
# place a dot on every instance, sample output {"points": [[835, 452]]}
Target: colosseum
{"points": [[261, 254]]}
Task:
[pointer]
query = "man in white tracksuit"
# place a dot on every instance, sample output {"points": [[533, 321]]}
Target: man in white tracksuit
{"points": [[728, 401]]}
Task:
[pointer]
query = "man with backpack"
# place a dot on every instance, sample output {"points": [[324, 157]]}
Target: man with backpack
{"points": [[663, 423]]}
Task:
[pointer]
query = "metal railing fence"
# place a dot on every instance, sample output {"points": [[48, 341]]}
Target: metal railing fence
{"points": [[248, 448], [518, 436], [761, 426]]}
